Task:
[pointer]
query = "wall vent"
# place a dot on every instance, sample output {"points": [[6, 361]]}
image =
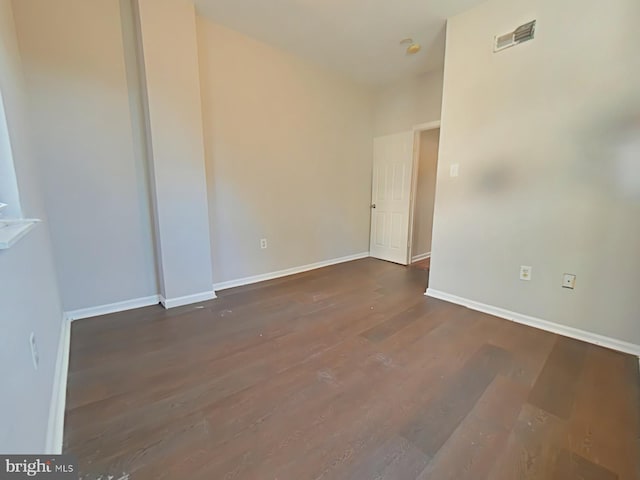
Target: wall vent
{"points": [[521, 34]]}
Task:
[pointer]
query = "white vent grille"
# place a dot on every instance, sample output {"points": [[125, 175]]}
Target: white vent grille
{"points": [[504, 41], [522, 34]]}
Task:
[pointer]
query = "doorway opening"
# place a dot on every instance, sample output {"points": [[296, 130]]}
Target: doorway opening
{"points": [[402, 194], [423, 191]]}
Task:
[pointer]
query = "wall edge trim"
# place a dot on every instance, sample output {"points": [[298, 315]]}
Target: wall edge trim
{"points": [[564, 330], [287, 271]]}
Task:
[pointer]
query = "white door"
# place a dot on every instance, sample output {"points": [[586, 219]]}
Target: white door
{"points": [[390, 197]]}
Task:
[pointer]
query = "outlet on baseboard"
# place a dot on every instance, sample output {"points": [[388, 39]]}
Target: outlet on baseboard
{"points": [[263, 243], [34, 351]]}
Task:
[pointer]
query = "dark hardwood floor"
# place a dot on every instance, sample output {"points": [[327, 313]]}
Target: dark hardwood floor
{"points": [[422, 264], [347, 372]]}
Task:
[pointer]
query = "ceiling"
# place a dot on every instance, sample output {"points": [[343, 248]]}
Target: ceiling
{"points": [[360, 38]]}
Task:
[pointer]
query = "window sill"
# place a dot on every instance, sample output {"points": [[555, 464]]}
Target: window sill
{"points": [[13, 230]]}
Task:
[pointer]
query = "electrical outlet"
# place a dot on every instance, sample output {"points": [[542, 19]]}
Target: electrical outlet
{"points": [[263, 243], [525, 272], [34, 351], [569, 281], [454, 170]]}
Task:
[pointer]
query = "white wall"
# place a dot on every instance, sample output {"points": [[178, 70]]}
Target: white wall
{"points": [[289, 151], [408, 102], [9, 195], [93, 177], [176, 145], [425, 192], [546, 135], [28, 293]]}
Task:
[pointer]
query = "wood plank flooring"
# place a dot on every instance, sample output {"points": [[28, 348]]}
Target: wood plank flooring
{"points": [[347, 372]]}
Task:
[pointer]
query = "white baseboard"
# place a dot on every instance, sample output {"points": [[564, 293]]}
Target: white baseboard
{"points": [[187, 299], [564, 330], [112, 307], [55, 427], [289, 271], [422, 256]]}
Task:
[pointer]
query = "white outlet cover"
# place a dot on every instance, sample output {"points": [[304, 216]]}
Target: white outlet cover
{"points": [[525, 272], [34, 351], [263, 243], [569, 281], [454, 170]]}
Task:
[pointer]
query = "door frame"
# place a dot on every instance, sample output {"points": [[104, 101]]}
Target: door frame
{"points": [[417, 131]]}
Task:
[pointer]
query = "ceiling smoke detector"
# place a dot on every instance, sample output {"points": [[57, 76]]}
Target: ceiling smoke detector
{"points": [[412, 47]]}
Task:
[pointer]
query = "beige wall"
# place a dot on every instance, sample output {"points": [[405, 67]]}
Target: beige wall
{"points": [[425, 192], [546, 136], [29, 299], [173, 107], [403, 104], [289, 149], [94, 182]]}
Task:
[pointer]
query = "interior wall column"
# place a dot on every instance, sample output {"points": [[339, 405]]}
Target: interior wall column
{"points": [[168, 56]]}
